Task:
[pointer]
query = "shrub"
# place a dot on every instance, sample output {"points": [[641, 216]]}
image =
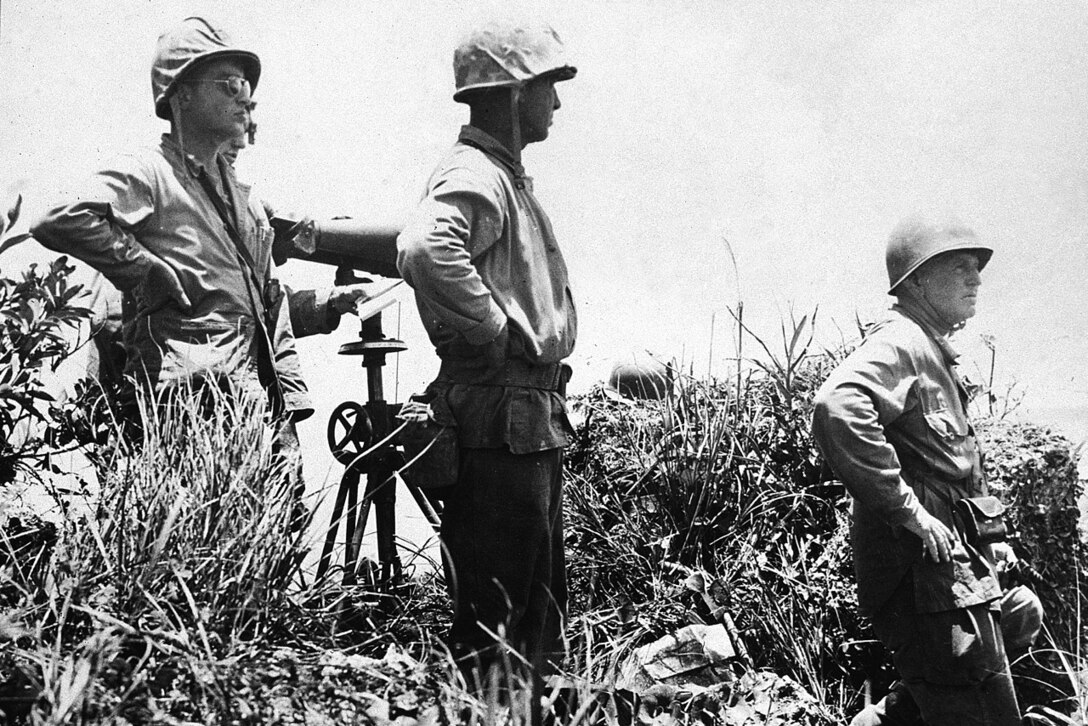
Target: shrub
{"points": [[722, 477], [36, 311], [1034, 471]]}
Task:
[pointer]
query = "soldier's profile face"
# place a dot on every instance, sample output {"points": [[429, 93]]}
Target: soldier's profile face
{"points": [[539, 100], [950, 283]]}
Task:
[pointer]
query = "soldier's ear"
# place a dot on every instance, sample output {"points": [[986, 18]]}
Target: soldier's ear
{"points": [[909, 286], [182, 96], [917, 280]]}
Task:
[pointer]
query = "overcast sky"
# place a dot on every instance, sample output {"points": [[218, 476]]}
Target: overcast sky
{"points": [[793, 134]]}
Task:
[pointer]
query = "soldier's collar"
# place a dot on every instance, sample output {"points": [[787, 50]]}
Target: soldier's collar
{"points": [[922, 313], [491, 146]]}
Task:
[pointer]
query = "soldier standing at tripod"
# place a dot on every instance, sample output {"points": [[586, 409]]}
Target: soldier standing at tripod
{"points": [[492, 290]]}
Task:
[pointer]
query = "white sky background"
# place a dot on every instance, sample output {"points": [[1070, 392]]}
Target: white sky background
{"points": [[801, 132]]}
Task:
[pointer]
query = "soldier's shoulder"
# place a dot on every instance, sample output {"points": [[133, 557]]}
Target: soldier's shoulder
{"points": [[142, 160], [467, 168], [895, 329]]}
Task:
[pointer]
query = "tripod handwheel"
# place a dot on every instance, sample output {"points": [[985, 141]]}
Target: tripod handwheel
{"points": [[349, 432]]}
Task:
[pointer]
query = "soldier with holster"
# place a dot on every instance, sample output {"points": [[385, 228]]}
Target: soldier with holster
{"points": [[492, 290], [892, 421]]}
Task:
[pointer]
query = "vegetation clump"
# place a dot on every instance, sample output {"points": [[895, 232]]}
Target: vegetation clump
{"points": [[713, 506], [174, 593]]}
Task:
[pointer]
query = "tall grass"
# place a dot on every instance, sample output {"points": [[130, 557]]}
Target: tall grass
{"points": [[166, 599], [194, 525], [187, 553], [720, 478]]}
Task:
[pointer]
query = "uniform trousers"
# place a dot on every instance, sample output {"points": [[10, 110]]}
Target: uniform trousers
{"points": [[953, 664], [502, 546]]}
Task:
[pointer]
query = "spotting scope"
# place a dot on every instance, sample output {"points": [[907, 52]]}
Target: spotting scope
{"points": [[339, 242]]}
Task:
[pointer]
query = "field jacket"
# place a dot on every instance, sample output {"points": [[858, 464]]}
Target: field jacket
{"points": [[480, 254], [151, 203], [892, 422]]}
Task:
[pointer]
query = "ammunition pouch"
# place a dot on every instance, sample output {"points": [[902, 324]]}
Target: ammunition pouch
{"points": [[431, 449], [983, 520]]}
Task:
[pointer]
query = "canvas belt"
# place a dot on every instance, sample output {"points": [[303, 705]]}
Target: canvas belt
{"points": [[515, 373]]}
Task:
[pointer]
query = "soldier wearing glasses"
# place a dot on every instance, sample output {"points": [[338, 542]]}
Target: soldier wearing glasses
{"points": [[183, 239]]}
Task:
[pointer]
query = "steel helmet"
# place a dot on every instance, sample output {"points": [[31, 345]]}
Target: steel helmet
{"points": [[504, 54], [649, 381], [916, 240], [186, 45]]}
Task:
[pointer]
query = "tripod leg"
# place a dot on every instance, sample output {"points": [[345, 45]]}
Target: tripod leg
{"points": [[427, 507], [386, 504], [349, 517], [346, 482], [355, 544]]}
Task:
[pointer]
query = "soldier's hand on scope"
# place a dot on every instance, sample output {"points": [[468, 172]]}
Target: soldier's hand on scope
{"points": [[161, 286], [344, 298], [937, 539]]}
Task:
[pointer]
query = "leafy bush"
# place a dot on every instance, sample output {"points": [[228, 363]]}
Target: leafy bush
{"points": [[35, 314], [720, 478], [1034, 471]]}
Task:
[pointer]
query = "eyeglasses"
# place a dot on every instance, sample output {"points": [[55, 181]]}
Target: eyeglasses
{"points": [[233, 85]]}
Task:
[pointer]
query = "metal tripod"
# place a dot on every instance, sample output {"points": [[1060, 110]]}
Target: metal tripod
{"points": [[362, 438]]}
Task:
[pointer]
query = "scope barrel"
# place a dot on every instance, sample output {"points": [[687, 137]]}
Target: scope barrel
{"points": [[352, 243]]}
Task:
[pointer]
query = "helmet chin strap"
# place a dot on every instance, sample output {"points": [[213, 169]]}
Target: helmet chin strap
{"points": [[175, 109], [515, 120], [918, 291]]}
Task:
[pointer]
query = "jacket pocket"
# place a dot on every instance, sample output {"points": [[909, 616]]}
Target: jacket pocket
{"points": [[947, 424]]}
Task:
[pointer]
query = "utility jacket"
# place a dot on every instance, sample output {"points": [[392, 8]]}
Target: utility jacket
{"points": [[152, 204], [480, 254], [892, 422]]}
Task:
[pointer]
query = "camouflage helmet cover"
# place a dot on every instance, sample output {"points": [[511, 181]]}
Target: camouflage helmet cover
{"points": [[185, 46], [503, 54]]}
